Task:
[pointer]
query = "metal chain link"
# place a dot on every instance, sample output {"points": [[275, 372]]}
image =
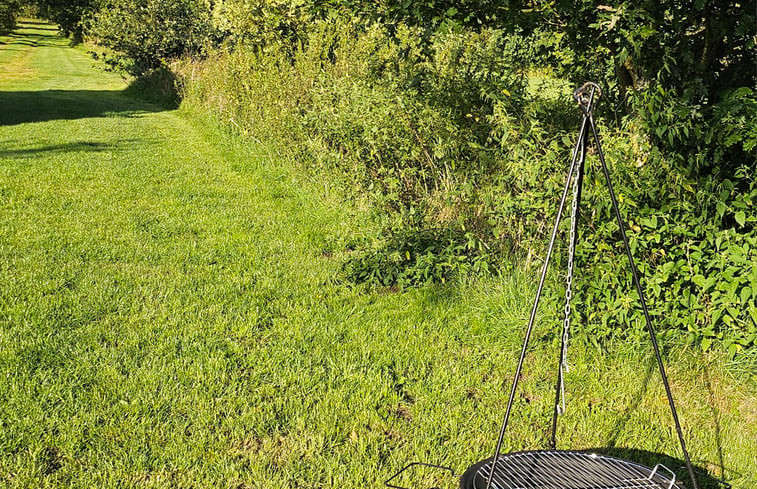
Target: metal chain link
{"points": [[564, 367]]}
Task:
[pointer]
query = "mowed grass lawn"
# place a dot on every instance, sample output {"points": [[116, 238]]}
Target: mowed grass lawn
{"points": [[171, 315]]}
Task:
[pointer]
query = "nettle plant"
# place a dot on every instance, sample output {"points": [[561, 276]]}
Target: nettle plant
{"points": [[696, 247], [408, 258]]}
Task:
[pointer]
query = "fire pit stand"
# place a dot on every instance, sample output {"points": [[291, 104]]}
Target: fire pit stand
{"points": [[568, 469]]}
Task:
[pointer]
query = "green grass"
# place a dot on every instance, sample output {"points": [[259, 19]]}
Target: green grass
{"points": [[171, 315]]}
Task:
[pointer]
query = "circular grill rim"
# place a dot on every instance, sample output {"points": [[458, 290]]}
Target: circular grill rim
{"points": [[660, 481]]}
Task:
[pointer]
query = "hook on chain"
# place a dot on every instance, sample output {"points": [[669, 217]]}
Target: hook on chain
{"points": [[585, 94]]}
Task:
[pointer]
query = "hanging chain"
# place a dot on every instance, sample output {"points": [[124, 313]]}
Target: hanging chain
{"points": [[585, 101], [564, 367]]}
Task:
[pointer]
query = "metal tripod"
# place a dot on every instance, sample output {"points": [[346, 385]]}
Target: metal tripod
{"points": [[586, 97]]}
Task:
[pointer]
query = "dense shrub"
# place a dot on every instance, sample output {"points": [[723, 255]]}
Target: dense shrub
{"points": [[694, 242], [145, 34], [68, 14], [405, 120], [158, 86], [704, 46], [262, 23], [8, 12], [411, 257]]}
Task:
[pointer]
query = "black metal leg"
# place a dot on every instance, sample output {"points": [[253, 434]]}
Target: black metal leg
{"points": [[582, 135], [637, 283]]}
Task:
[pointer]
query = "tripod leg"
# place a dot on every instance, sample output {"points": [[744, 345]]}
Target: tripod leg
{"points": [[582, 136], [637, 283]]}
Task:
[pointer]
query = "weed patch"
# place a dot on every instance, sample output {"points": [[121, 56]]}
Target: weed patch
{"points": [[411, 258]]}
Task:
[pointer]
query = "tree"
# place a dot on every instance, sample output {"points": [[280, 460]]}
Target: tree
{"points": [[147, 33], [8, 13], [701, 45], [68, 14]]}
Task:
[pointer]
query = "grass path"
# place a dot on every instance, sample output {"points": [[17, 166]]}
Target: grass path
{"points": [[171, 316]]}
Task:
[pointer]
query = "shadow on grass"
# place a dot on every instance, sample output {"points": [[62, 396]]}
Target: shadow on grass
{"points": [[650, 459], [31, 35], [650, 370], [48, 105], [76, 146], [32, 40], [704, 480]]}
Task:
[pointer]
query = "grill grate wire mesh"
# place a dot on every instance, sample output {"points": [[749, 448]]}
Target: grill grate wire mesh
{"points": [[564, 469]]}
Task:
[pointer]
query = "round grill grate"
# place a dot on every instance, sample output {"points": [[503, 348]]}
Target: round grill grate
{"points": [[564, 469]]}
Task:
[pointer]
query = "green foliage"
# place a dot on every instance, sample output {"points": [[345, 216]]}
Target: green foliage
{"points": [[686, 69], [705, 45], [684, 231], [9, 10], [401, 118], [409, 258], [145, 34], [445, 132], [158, 86], [714, 139], [695, 248], [426, 14], [262, 23], [70, 15]]}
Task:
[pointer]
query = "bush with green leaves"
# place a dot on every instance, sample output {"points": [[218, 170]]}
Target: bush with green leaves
{"points": [[704, 46], [263, 22], [70, 15], [409, 257], [8, 12], [694, 242], [146, 34], [405, 119]]}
